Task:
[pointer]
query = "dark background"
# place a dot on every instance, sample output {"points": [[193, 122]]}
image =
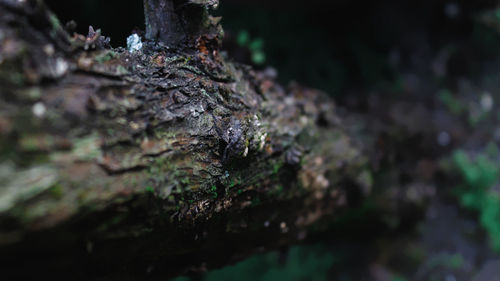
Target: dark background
{"points": [[337, 46]]}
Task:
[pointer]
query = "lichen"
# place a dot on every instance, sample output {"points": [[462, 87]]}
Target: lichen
{"points": [[87, 148], [20, 186], [134, 43]]}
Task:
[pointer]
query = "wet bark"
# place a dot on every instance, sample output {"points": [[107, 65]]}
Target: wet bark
{"points": [[178, 23], [118, 165]]}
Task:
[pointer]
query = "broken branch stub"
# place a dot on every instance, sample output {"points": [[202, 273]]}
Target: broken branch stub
{"points": [[179, 23]]}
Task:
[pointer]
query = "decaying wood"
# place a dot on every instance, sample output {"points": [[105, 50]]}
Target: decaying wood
{"points": [[118, 165]]}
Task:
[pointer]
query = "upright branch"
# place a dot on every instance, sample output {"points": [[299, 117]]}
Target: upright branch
{"points": [[180, 22]]}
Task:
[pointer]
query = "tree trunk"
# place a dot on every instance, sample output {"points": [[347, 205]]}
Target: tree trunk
{"points": [[118, 165]]}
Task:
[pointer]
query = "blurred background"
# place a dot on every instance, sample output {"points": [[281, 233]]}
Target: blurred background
{"points": [[356, 50], [331, 45]]}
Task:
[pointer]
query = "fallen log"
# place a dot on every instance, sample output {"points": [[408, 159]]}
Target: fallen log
{"points": [[167, 157]]}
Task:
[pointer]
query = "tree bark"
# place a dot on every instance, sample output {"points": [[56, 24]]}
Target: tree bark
{"points": [[179, 23], [118, 165]]}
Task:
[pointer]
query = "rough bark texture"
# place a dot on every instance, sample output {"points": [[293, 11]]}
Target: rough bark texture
{"points": [[141, 166], [179, 23]]}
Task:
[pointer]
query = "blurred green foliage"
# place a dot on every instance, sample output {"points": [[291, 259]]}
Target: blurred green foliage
{"points": [[473, 111], [456, 261], [301, 263], [453, 104], [256, 46], [480, 175], [443, 261]]}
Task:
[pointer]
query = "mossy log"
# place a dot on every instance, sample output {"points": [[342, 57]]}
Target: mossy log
{"points": [[119, 165]]}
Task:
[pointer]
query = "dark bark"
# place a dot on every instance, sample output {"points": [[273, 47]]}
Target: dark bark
{"points": [[141, 166], [179, 23]]}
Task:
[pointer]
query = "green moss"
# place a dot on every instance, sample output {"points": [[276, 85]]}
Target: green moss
{"points": [[175, 175], [185, 180], [213, 191], [36, 142], [87, 148], [121, 70], [56, 191], [277, 167], [161, 134], [29, 143], [232, 183], [106, 56], [150, 189]]}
